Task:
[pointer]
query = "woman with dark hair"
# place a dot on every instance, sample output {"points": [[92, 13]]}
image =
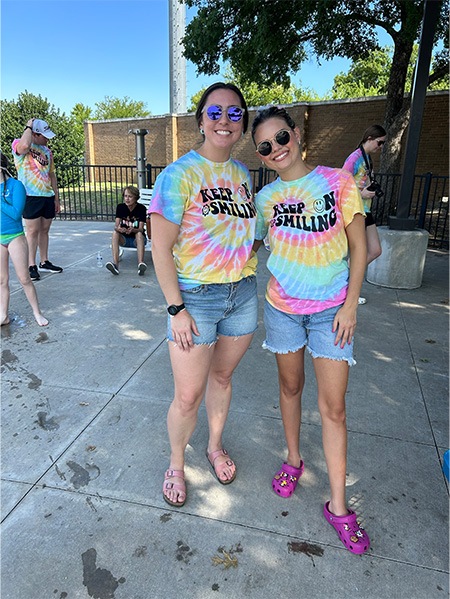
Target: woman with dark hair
{"points": [[14, 245], [203, 223], [314, 218], [360, 165]]}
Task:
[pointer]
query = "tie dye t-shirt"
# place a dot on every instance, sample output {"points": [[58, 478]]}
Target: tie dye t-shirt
{"points": [[34, 168], [306, 220], [212, 202], [356, 165]]}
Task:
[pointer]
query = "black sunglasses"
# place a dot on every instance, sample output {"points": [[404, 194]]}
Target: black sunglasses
{"points": [[380, 143], [282, 138], [215, 111]]}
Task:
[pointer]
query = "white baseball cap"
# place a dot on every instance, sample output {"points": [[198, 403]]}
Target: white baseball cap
{"points": [[41, 127]]}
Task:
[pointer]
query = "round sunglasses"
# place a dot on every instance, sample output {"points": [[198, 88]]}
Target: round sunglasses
{"points": [[282, 138], [215, 111]]}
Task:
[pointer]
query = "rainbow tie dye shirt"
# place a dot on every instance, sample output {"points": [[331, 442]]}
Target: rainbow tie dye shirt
{"points": [[213, 204], [356, 165], [33, 169], [306, 220]]}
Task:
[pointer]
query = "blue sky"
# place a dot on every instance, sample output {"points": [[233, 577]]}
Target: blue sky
{"points": [[81, 51]]}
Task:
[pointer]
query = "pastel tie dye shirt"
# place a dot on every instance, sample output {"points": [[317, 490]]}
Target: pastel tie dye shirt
{"points": [[33, 169], [213, 204], [356, 165], [305, 221]]}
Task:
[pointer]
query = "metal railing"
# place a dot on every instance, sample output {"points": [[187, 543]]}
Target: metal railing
{"points": [[91, 192]]}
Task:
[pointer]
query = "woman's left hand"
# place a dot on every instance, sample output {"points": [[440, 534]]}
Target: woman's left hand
{"points": [[344, 325]]}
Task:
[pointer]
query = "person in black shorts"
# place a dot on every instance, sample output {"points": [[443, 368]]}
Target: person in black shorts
{"points": [[129, 229], [35, 167]]}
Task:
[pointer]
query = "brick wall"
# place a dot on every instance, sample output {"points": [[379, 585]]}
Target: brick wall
{"points": [[330, 131]]}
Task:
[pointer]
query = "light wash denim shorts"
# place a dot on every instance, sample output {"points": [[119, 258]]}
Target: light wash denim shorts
{"points": [[228, 309], [290, 332]]}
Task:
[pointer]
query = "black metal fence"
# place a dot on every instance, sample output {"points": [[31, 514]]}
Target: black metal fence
{"points": [[92, 193]]}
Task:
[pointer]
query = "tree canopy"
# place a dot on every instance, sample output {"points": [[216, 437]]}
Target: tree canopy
{"points": [[67, 148], [267, 42], [119, 108]]}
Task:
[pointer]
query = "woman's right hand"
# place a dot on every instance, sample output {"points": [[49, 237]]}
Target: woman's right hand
{"points": [[366, 194], [183, 326]]}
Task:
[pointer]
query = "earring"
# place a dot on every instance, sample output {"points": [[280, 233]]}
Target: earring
{"points": [[202, 132]]}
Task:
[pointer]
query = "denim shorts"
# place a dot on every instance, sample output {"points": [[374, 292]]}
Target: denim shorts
{"points": [[228, 309], [290, 332], [130, 241]]}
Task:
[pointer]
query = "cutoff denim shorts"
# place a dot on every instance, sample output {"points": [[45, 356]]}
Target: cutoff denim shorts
{"points": [[287, 333], [228, 309]]}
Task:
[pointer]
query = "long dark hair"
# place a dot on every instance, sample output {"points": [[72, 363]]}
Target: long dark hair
{"points": [[269, 112], [213, 88], [373, 132]]}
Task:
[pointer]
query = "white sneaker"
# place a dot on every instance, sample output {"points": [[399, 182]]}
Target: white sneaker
{"points": [[362, 301], [142, 267]]}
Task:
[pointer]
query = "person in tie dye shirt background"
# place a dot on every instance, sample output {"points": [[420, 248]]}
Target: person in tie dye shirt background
{"points": [[314, 218], [359, 164], [203, 224]]}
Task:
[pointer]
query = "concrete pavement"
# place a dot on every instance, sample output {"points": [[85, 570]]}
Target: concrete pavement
{"points": [[84, 449]]}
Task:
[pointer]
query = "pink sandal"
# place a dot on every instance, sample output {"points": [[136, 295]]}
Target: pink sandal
{"points": [[218, 470], [352, 535], [170, 486], [285, 480]]}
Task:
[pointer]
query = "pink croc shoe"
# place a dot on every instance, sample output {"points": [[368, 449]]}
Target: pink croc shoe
{"points": [[352, 535], [285, 480]]}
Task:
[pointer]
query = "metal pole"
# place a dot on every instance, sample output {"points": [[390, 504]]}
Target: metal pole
{"points": [[140, 156], [177, 22], [402, 221]]}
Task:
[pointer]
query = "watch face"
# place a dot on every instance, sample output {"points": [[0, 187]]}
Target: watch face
{"points": [[172, 310]]}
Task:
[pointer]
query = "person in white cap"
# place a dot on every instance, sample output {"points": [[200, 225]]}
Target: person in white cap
{"points": [[36, 170]]}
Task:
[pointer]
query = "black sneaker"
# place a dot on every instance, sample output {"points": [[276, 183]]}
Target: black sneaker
{"points": [[112, 268], [34, 275], [142, 267], [49, 266]]}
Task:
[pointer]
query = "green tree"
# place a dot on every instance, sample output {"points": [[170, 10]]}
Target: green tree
{"points": [[370, 76], [266, 42], [119, 108], [262, 95], [67, 148]]}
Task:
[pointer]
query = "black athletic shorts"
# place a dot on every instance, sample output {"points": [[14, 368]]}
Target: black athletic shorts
{"points": [[37, 206], [369, 220]]}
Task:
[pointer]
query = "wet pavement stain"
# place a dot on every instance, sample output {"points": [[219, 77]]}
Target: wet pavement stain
{"points": [[48, 424], [183, 553], [41, 338], [35, 382], [100, 583], [81, 476], [307, 548], [8, 358]]}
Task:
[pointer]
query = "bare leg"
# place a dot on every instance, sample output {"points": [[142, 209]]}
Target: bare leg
{"points": [[18, 250], [117, 239], [190, 371], [227, 355], [140, 247], [4, 285], [373, 243], [332, 378], [291, 377], [43, 238], [33, 227]]}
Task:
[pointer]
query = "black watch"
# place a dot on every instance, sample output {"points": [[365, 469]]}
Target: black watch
{"points": [[173, 310], [28, 127]]}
